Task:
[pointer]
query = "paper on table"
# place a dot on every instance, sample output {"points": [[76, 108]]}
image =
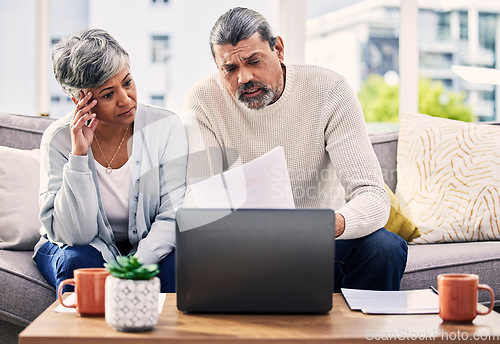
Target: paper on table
{"points": [[71, 300], [422, 301], [261, 183]]}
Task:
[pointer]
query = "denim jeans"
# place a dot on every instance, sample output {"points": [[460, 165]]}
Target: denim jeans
{"points": [[375, 262], [57, 264]]}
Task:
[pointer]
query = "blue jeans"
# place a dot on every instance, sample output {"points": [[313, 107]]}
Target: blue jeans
{"points": [[375, 262], [57, 264]]}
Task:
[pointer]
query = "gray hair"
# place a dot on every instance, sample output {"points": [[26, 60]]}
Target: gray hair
{"points": [[238, 24], [87, 59]]}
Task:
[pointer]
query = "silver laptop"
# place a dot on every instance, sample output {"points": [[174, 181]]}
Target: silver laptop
{"points": [[254, 260]]}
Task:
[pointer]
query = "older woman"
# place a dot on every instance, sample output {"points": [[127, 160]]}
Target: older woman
{"points": [[113, 171]]}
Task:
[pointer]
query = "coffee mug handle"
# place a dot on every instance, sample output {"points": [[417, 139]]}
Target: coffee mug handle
{"points": [[492, 303], [70, 281]]}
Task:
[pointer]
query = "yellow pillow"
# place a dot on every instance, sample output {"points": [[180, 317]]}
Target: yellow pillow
{"points": [[399, 222]]}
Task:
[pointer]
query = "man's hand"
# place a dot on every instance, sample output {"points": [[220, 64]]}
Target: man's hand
{"points": [[339, 224]]}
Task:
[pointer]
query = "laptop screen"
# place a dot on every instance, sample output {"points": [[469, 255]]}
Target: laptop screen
{"points": [[255, 260]]}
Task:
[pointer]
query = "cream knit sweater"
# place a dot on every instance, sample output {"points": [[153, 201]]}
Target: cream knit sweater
{"points": [[320, 124]]}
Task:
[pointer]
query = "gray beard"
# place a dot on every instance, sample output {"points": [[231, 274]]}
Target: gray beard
{"points": [[260, 101]]}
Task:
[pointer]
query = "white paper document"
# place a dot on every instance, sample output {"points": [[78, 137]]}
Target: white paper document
{"points": [[261, 183], [421, 301], [71, 300]]}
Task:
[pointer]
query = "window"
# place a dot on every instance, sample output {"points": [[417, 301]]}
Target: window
{"points": [[448, 83], [444, 32], [160, 50], [436, 60], [487, 28], [380, 55], [158, 100], [464, 25], [382, 32], [370, 34]]}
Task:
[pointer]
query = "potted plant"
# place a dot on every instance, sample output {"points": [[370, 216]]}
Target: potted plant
{"points": [[131, 295]]}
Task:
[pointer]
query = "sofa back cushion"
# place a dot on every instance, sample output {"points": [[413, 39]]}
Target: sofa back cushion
{"points": [[386, 147], [24, 132], [19, 189], [20, 138]]}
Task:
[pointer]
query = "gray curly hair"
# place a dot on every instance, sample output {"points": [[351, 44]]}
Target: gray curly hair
{"points": [[87, 59]]}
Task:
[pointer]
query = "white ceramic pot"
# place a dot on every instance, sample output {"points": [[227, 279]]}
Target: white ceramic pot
{"points": [[131, 305]]}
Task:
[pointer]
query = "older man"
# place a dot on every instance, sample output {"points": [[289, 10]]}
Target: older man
{"points": [[257, 102]]}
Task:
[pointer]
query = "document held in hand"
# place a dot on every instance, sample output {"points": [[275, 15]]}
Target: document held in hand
{"points": [[261, 183]]}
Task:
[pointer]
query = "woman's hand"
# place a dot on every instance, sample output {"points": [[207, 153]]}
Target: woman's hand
{"points": [[82, 133]]}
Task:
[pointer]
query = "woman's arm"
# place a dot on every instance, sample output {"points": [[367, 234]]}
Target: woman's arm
{"points": [[68, 195], [160, 240]]}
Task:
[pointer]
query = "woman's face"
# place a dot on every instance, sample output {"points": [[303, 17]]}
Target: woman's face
{"points": [[116, 99]]}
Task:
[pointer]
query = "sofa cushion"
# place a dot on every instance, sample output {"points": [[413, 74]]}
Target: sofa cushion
{"points": [[385, 147], [426, 262], [23, 132], [19, 173], [23, 290], [448, 178]]}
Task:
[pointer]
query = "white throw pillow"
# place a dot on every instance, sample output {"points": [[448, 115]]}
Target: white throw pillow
{"points": [[19, 188], [449, 178]]}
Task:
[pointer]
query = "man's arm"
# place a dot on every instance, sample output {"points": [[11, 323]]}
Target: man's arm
{"points": [[356, 165]]}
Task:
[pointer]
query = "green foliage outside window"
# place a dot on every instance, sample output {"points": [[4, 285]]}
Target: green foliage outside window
{"points": [[380, 101]]}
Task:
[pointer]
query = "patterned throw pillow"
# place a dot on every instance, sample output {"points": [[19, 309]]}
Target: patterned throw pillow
{"points": [[449, 178]]}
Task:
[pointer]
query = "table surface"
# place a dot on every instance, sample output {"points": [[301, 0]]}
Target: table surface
{"points": [[341, 325]]}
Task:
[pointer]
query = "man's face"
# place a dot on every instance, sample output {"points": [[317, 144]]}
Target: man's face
{"points": [[251, 71]]}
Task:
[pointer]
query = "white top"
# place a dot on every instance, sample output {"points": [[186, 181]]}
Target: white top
{"points": [[114, 188], [319, 122]]}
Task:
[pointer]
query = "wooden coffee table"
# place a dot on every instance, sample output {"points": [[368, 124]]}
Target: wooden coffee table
{"points": [[341, 325]]}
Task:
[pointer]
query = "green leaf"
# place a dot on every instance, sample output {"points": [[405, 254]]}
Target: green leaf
{"points": [[131, 268]]}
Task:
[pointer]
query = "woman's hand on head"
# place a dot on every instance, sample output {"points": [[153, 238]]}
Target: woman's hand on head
{"points": [[83, 124]]}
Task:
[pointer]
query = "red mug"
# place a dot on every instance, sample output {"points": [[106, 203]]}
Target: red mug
{"points": [[89, 290], [458, 297]]}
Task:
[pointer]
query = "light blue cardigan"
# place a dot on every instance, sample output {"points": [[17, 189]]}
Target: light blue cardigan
{"points": [[71, 210]]}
